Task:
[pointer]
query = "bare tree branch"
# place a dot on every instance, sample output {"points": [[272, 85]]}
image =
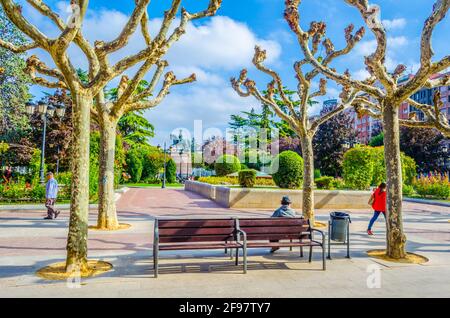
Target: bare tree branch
{"points": [[14, 13], [18, 49], [292, 16], [427, 67], [170, 80], [129, 29]]}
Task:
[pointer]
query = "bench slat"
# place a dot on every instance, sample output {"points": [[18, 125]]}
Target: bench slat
{"points": [[273, 222], [269, 237], [202, 238], [195, 223], [196, 231], [175, 247], [275, 229]]}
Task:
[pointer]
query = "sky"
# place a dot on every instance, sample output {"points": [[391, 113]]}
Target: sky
{"points": [[217, 48]]}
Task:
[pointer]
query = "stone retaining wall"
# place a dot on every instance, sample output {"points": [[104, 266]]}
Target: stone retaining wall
{"points": [[270, 199]]}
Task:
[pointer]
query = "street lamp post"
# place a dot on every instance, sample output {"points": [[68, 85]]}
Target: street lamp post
{"points": [[181, 162], [165, 164], [45, 111]]}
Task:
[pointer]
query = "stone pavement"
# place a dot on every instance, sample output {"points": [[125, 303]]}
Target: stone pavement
{"points": [[27, 243]]}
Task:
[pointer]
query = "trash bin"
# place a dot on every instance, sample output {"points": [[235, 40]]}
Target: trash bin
{"points": [[339, 226]]}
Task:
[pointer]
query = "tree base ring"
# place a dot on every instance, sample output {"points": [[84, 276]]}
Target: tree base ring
{"points": [[410, 258], [320, 225], [122, 226], [57, 271]]}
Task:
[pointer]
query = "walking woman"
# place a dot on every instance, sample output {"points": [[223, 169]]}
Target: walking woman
{"points": [[378, 202]]}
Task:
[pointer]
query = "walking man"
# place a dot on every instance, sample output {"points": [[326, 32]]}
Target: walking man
{"points": [[51, 193]]}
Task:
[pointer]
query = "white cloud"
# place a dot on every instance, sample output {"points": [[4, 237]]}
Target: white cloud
{"points": [[215, 49], [394, 24]]}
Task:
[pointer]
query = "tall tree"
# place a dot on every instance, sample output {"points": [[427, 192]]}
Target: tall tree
{"points": [[132, 97], [297, 114], [101, 72], [14, 84], [383, 95]]}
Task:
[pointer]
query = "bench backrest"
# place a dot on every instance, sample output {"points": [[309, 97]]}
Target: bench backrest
{"points": [[188, 230], [275, 229]]}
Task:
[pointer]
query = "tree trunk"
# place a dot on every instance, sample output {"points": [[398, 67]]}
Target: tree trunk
{"points": [[396, 238], [308, 178], [107, 215], [79, 207]]}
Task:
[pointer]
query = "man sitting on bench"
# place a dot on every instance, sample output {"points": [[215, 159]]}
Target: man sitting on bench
{"points": [[285, 211]]}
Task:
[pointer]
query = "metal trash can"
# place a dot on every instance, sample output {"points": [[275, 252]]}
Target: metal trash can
{"points": [[339, 226]]}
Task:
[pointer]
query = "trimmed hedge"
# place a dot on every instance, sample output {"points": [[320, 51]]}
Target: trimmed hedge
{"points": [[326, 183], [265, 182], [288, 170], [365, 166], [226, 165], [358, 168], [247, 178]]}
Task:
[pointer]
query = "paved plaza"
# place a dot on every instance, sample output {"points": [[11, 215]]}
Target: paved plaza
{"points": [[27, 243]]}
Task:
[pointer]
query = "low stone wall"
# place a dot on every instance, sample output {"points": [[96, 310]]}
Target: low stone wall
{"points": [[204, 189], [270, 199]]}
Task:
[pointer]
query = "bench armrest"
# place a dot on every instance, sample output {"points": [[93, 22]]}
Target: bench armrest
{"points": [[243, 234], [319, 231]]}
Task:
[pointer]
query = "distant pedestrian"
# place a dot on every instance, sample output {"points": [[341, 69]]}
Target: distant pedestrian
{"points": [[51, 193], [7, 174], [285, 211], [378, 202]]}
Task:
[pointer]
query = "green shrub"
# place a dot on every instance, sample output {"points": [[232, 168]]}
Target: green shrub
{"points": [[408, 190], [365, 166], [265, 182], [436, 187], [325, 183], [247, 178], [171, 171], [409, 168], [288, 170], [134, 164], [153, 163], [358, 168], [339, 183], [317, 174], [227, 164], [38, 193], [64, 178], [379, 167]]}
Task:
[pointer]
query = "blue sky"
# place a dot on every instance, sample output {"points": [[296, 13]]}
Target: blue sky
{"points": [[218, 48]]}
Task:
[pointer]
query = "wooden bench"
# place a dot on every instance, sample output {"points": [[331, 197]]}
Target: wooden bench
{"points": [[279, 232], [199, 234], [234, 234]]}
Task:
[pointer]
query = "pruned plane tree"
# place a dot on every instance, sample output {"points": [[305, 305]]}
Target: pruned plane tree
{"points": [[88, 96], [298, 115], [382, 95]]}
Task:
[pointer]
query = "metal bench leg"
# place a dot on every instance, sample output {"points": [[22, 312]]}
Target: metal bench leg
{"points": [[301, 251], [290, 248], [155, 261], [310, 253], [237, 257], [245, 259], [324, 265]]}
